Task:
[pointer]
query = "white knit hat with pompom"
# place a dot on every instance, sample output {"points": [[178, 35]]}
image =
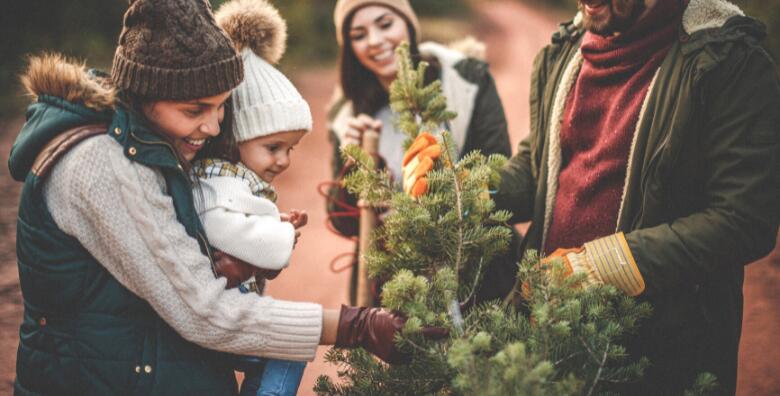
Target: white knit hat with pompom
{"points": [[266, 102]]}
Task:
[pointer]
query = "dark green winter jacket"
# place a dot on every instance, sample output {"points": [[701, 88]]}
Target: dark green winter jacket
{"points": [[481, 125], [702, 191], [84, 333]]}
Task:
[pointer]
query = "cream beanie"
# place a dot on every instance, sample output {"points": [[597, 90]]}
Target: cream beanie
{"points": [[345, 7], [266, 102]]}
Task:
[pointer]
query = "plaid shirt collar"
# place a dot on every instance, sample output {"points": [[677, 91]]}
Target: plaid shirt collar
{"points": [[214, 167]]}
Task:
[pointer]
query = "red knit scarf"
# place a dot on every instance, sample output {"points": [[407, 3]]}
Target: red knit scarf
{"points": [[599, 120]]}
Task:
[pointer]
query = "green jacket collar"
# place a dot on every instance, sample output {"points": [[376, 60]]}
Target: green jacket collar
{"points": [[46, 118], [139, 143]]}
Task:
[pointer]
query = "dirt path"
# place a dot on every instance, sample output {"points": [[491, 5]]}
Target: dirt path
{"points": [[513, 33], [309, 278], [10, 295]]}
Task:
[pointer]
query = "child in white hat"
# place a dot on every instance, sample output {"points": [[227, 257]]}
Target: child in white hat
{"points": [[237, 202]]}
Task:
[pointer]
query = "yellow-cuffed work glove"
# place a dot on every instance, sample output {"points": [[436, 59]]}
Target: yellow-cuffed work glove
{"points": [[418, 161], [605, 260]]}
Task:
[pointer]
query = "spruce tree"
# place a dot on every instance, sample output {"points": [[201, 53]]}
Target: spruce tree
{"points": [[564, 340]]}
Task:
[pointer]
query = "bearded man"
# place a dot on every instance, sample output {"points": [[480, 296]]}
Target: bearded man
{"points": [[652, 165]]}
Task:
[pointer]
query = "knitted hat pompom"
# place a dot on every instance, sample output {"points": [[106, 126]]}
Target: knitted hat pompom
{"points": [[254, 24]]}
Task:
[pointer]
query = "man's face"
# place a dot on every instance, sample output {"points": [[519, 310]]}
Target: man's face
{"points": [[607, 17]]}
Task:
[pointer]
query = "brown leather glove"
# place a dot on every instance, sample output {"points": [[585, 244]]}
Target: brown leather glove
{"points": [[233, 269], [374, 329]]}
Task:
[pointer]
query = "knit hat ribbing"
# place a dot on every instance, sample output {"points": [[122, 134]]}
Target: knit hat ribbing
{"points": [[173, 50], [345, 8], [266, 102]]}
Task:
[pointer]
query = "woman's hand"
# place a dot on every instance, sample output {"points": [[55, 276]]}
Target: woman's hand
{"points": [[234, 270], [374, 329], [356, 127]]}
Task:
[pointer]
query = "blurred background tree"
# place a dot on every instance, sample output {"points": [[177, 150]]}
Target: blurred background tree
{"points": [[88, 29]]}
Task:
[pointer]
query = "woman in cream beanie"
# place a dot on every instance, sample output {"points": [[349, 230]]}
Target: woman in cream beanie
{"points": [[368, 32]]}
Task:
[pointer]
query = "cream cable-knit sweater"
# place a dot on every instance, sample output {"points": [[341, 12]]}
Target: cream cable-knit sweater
{"points": [[120, 213]]}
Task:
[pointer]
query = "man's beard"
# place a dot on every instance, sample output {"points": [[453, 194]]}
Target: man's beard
{"points": [[619, 17]]}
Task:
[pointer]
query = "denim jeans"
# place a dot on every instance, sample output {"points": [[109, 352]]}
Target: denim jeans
{"points": [[269, 377], [273, 378]]}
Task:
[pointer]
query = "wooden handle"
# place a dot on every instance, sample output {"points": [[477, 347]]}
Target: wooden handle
{"points": [[368, 221]]}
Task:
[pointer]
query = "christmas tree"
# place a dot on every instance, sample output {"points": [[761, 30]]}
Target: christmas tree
{"points": [[434, 248]]}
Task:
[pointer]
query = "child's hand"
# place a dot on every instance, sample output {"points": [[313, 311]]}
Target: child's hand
{"points": [[298, 218]]}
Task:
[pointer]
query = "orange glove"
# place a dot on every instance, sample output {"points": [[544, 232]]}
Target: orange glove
{"points": [[546, 264], [606, 260], [418, 161]]}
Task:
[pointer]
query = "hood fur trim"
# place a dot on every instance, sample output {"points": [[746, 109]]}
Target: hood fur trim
{"points": [[56, 75], [708, 14], [699, 15], [470, 47]]}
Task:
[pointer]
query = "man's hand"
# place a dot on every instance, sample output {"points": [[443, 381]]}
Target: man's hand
{"points": [[418, 161], [605, 260], [546, 264]]}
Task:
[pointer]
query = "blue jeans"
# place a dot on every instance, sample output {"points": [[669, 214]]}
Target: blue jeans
{"points": [[271, 377]]}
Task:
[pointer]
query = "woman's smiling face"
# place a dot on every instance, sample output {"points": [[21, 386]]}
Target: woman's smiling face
{"points": [[188, 123], [374, 34]]}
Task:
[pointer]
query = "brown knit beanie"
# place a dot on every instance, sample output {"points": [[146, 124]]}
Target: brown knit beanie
{"points": [[344, 8], [173, 50]]}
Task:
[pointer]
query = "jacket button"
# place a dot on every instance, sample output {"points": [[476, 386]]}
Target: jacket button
{"points": [[42, 321], [138, 369], [147, 369], [117, 131], [132, 151]]}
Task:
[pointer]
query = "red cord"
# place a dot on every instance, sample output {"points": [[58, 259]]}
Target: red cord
{"points": [[347, 211]]}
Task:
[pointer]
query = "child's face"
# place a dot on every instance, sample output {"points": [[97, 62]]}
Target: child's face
{"points": [[188, 123], [269, 156]]}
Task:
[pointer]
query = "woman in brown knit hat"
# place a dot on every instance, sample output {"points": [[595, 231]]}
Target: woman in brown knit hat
{"points": [[122, 293], [368, 32]]}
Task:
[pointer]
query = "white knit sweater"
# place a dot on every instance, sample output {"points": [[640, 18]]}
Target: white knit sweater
{"points": [[120, 213], [242, 224]]}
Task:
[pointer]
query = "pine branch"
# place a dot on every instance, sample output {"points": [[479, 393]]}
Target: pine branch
{"points": [[458, 205], [601, 368]]}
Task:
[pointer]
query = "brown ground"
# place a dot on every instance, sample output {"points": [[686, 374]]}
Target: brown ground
{"points": [[514, 33]]}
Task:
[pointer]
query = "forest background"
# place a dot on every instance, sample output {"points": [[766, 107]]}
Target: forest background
{"points": [[89, 31], [513, 30]]}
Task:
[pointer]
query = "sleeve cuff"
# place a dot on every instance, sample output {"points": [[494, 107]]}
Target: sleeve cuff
{"points": [[614, 264]]}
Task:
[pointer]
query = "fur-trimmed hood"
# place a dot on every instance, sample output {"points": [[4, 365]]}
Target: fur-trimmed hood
{"points": [[65, 96], [699, 15], [57, 76]]}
